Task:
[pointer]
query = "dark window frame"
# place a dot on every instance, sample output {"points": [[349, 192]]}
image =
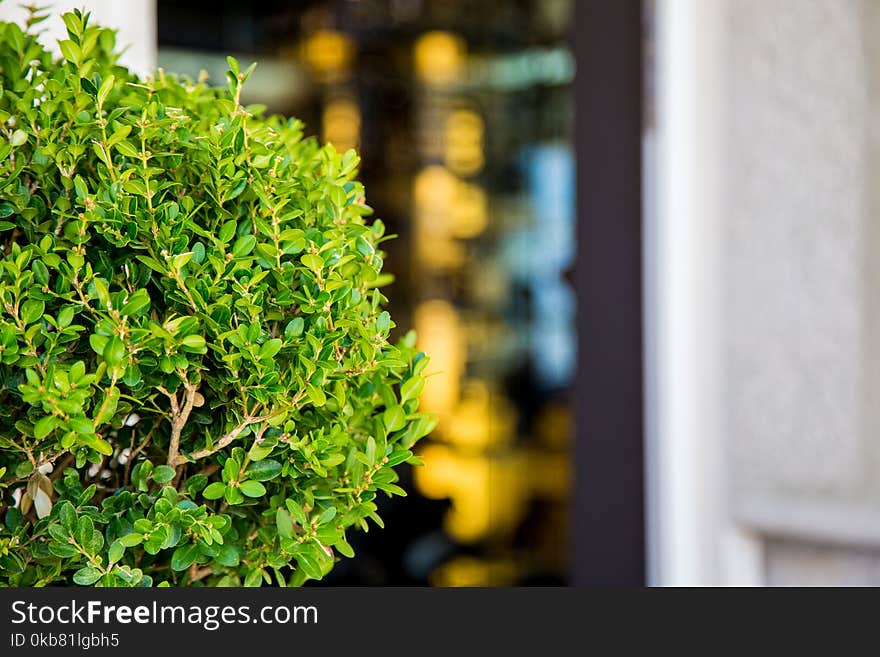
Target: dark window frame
{"points": [[609, 507]]}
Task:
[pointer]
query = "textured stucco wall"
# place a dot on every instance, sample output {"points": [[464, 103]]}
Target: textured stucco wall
{"points": [[798, 563], [802, 279]]}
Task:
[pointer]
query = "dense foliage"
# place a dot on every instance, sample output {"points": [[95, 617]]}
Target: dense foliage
{"points": [[196, 379]]}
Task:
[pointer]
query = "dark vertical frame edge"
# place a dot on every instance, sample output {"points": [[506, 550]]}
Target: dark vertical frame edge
{"points": [[609, 509]]}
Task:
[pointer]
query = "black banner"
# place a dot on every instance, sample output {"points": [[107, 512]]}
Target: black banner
{"points": [[332, 620]]}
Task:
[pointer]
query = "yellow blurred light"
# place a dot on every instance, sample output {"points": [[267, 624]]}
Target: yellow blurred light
{"points": [[328, 52], [437, 324], [446, 471], [548, 474], [463, 142], [488, 494], [433, 189], [480, 420], [470, 571], [446, 208], [439, 57], [470, 214], [341, 123], [462, 571]]}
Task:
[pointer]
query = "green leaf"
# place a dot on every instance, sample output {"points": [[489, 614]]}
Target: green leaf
{"points": [[309, 566], [131, 540], [80, 186], [77, 372], [237, 189], [70, 51], [394, 418], [98, 343], [243, 246], [333, 460], [263, 470], [383, 322], [214, 491], [105, 89], [90, 539], [344, 548], [153, 264], [19, 138], [67, 516], [296, 511], [184, 556], [13, 519], [233, 495], [316, 395], [125, 148], [254, 577], [227, 231], [392, 489], [81, 425], [102, 446], [32, 310], [195, 483], [23, 469], [398, 457], [313, 262], [229, 556], [41, 274], [88, 86], [411, 388], [371, 450], [44, 426], [230, 470], [270, 348], [162, 474], [114, 352], [194, 343], [115, 551], [294, 328], [108, 406], [65, 316], [283, 523], [181, 259], [252, 488], [327, 515], [73, 23], [137, 303], [87, 576]]}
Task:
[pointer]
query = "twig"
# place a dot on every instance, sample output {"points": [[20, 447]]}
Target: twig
{"points": [[140, 448], [225, 439], [179, 416], [195, 573], [209, 469], [57, 472]]}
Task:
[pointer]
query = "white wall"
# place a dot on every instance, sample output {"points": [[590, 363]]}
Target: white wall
{"points": [[135, 20], [762, 283]]}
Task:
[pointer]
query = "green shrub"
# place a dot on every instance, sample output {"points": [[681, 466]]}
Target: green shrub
{"points": [[196, 382]]}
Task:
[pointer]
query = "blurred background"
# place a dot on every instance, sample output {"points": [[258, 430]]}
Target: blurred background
{"points": [[747, 452]]}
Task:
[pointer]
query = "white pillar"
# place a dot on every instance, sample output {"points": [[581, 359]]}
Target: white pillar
{"points": [[689, 535], [135, 21]]}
